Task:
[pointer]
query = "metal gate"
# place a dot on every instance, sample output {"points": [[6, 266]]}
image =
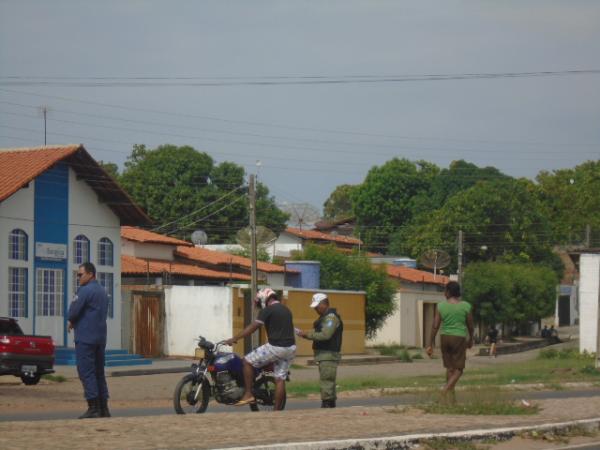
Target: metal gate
{"points": [[147, 330]]}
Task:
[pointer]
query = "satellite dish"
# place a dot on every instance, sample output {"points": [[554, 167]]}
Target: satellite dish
{"points": [[434, 259], [302, 215], [264, 237], [199, 237]]}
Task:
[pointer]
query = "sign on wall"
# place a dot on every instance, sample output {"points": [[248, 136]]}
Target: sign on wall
{"points": [[47, 250]]}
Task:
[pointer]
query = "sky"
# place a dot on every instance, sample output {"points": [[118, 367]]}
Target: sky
{"points": [[317, 91]]}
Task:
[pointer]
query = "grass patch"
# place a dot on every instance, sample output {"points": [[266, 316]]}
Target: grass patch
{"points": [[55, 378], [298, 367], [488, 401], [450, 444], [561, 435]]}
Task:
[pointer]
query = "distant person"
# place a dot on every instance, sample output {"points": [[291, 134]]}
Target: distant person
{"points": [[545, 333], [87, 316], [553, 335], [456, 321], [327, 345], [492, 338]]}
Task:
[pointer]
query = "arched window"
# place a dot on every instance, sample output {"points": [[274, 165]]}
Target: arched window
{"points": [[17, 245], [81, 249], [105, 252]]}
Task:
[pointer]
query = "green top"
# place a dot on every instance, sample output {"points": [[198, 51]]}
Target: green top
{"points": [[454, 318]]}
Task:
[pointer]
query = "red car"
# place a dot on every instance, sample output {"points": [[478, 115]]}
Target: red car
{"points": [[27, 357]]}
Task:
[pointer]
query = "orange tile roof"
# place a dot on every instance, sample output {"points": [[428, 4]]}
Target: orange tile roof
{"points": [[139, 235], [221, 258], [319, 236], [18, 166], [131, 265], [415, 275]]}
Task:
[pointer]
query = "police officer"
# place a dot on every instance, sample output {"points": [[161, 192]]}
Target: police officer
{"points": [[87, 316], [327, 344]]}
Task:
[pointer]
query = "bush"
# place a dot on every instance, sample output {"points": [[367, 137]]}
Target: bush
{"points": [[567, 353], [404, 355]]}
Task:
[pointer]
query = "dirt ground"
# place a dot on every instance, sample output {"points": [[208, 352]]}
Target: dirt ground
{"points": [[212, 430]]}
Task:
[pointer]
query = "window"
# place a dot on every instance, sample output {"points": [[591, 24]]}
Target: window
{"points": [[105, 252], [49, 292], [17, 291], [105, 279], [17, 245], [81, 249], [75, 283]]}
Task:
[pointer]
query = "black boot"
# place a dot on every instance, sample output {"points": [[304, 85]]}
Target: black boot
{"points": [[93, 411], [328, 404], [104, 412]]}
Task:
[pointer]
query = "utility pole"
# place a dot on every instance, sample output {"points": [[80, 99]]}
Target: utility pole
{"points": [[588, 236], [460, 257], [250, 343], [44, 110]]}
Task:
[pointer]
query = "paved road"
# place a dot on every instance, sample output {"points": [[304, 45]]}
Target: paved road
{"points": [[292, 404]]}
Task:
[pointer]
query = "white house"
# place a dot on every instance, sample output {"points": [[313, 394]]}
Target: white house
{"points": [[58, 209]]}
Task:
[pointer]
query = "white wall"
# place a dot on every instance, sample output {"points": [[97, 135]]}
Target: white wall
{"points": [[148, 250], [95, 220], [284, 245], [589, 296], [17, 212], [191, 311], [405, 325]]}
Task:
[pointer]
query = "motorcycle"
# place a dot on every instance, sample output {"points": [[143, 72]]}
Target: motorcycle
{"points": [[219, 374]]}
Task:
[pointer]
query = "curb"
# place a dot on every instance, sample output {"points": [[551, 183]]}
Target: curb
{"points": [[408, 441]]}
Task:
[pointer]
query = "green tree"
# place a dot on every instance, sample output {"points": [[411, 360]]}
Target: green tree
{"points": [[386, 199], [111, 168], [355, 273], [511, 294], [572, 200], [339, 204], [502, 220], [184, 189]]}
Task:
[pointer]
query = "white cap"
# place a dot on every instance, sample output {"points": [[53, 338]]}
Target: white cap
{"points": [[316, 299]]}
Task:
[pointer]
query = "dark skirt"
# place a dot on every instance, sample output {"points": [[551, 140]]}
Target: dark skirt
{"points": [[454, 351]]}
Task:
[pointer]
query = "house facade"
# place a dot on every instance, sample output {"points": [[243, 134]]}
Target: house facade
{"points": [[58, 209]]}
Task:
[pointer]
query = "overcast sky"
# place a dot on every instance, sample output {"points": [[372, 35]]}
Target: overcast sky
{"points": [[318, 91]]}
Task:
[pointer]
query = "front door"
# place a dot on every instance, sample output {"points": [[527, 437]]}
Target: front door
{"points": [[147, 328], [50, 303]]}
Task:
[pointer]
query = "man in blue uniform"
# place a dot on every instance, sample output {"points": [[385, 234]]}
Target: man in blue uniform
{"points": [[87, 316]]}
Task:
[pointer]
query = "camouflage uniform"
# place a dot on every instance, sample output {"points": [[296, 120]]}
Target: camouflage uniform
{"points": [[327, 341]]}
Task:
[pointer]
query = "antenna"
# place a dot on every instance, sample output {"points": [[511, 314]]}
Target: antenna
{"points": [[301, 214], [264, 237], [434, 259], [199, 237]]}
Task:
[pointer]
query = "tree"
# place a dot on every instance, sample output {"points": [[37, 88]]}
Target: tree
{"points": [[184, 189], [502, 220], [339, 204], [354, 272], [111, 168], [511, 294], [572, 200], [385, 200]]}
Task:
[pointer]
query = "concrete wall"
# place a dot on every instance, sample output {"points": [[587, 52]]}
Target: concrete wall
{"points": [[191, 311], [407, 324], [146, 250], [95, 220], [17, 212], [589, 297]]}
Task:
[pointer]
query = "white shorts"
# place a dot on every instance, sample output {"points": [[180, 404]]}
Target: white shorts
{"points": [[281, 357]]}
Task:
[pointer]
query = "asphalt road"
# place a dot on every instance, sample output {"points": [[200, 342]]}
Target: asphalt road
{"points": [[293, 404]]}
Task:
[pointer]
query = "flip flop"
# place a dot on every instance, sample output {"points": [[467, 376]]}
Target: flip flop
{"points": [[249, 401]]}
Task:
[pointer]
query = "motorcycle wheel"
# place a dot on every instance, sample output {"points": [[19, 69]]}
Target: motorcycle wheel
{"points": [[264, 392], [185, 391]]}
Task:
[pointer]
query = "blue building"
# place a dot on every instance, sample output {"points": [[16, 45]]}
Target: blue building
{"points": [[58, 209]]}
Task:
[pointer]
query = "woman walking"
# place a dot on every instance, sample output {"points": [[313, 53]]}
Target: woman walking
{"points": [[454, 317]]}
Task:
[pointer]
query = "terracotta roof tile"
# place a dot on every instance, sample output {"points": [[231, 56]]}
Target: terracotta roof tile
{"points": [[221, 258], [131, 265], [415, 275], [319, 236], [18, 166], [139, 235]]}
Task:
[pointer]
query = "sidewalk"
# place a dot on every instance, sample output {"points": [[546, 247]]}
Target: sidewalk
{"points": [[314, 429]]}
